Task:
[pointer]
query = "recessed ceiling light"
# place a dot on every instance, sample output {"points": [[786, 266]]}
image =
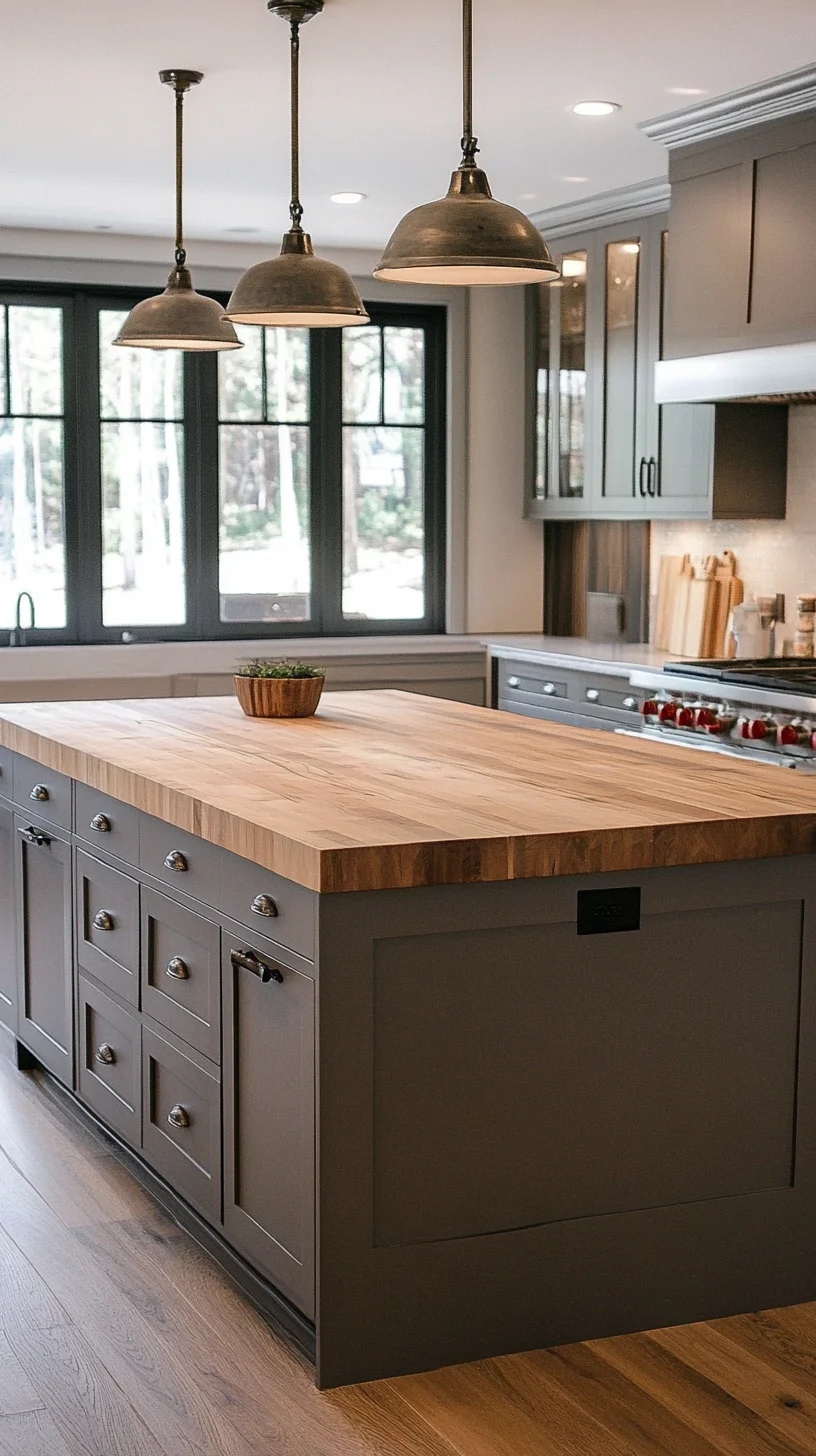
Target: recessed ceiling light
{"points": [[596, 108], [574, 179], [528, 196], [687, 91], [348, 199]]}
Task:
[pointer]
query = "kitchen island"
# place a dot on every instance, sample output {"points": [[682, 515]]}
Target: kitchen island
{"points": [[462, 1033]]}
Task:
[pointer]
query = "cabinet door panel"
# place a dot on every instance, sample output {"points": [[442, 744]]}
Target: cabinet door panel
{"points": [[43, 893], [8, 935], [708, 279], [182, 1123], [181, 982], [269, 1135], [783, 296], [621, 480], [110, 1061], [107, 908]]}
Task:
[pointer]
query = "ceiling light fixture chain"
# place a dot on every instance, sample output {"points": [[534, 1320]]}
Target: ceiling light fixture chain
{"points": [[181, 254], [470, 144], [295, 206]]}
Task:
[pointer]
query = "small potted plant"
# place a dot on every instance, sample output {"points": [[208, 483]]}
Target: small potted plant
{"points": [[275, 688]]}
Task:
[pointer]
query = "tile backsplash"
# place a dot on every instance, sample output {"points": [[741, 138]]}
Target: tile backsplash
{"points": [[773, 556]]}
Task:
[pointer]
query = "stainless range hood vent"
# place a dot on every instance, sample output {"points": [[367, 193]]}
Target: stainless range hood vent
{"points": [[785, 374]]}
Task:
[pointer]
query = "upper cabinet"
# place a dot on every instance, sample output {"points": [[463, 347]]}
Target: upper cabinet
{"points": [[743, 214], [603, 450]]}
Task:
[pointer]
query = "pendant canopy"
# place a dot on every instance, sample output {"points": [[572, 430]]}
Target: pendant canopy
{"points": [[179, 318], [296, 289], [467, 237]]}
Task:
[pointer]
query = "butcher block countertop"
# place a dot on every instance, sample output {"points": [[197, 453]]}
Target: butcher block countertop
{"points": [[387, 790]]}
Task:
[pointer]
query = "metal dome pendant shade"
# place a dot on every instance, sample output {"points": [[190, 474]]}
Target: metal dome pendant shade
{"points": [[467, 237], [179, 318], [297, 289]]}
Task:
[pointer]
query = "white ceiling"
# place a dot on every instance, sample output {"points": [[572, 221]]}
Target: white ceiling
{"points": [[87, 129]]}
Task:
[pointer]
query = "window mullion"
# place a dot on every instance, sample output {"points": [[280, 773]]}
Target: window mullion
{"points": [[326, 454], [84, 477]]}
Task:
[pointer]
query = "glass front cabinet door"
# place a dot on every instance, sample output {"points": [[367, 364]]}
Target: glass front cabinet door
{"points": [[594, 338]]}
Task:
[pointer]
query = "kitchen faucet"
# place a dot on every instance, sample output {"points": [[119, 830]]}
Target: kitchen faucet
{"points": [[17, 638]]}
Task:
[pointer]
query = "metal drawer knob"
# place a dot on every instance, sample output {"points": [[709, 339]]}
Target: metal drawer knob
{"points": [[630, 703], [593, 695], [103, 920], [178, 1116], [39, 794], [264, 905], [105, 1055], [101, 824], [247, 960], [514, 682], [177, 969], [549, 689], [176, 861]]}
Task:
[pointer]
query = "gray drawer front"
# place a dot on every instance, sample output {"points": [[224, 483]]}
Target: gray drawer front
{"points": [[244, 885], [532, 680], [180, 972], [107, 918], [182, 1122], [6, 774], [198, 863], [555, 715], [598, 697], [52, 792], [111, 827], [110, 1061]]}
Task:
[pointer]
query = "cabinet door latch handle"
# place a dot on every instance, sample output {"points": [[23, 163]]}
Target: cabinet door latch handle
{"points": [[101, 824], [177, 970], [176, 861], [247, 960], [103, 920], [39, 794], [35, 836], [264, 905], [105, 1055], [178, 1116]]}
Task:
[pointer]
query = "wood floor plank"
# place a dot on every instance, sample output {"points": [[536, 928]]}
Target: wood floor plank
{"points": [[732, 1428], [89, 1410], [498, 1408], [784, 1404], [622, 1407], [17, 1395], [31, 1433], [779, 1340]]}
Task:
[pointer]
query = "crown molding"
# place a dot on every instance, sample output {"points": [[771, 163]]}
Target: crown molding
{"points": [[782, 96], [624, 204]]}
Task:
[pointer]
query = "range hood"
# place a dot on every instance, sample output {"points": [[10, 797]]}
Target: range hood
{"points": [[784, 374]]}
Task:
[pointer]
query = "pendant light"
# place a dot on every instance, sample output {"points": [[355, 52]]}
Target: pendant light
{"points": [[467, 237], [179, 318], [297, 289]]}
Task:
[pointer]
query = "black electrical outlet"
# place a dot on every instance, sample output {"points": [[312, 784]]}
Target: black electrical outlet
{"points": [[604, 912]]}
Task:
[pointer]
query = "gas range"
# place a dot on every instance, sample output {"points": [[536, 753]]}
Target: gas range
{"points": [[762, 709]]}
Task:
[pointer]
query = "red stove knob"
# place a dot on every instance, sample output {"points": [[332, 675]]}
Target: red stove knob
{"points": [[685, 718], [650, 708], [706, 718], [668, 712], [792, 736], [754, 728], [719, 725]]}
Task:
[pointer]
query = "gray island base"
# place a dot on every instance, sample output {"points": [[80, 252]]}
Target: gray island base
{"points": [[437, 1123]]}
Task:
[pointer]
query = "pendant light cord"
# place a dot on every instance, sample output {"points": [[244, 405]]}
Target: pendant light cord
{"points": [[295, 206], [181, 255], [470, 145]]}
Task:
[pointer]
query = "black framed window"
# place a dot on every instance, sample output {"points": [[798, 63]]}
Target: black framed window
{"points": [[294, 488]]}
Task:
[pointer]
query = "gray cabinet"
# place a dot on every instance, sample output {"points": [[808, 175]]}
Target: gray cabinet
{"points": [[181, 1118], [603, 449], [181, 980], [107, 921], [742, 273], [110, 1061], [269, 1132], [8, 933], [43, 893]]}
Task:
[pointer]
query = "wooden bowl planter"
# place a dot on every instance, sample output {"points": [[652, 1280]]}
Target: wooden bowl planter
{"points": [[279, 697]]}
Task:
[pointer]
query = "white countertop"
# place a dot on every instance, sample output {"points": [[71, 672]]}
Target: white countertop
{"points": [[617, 658]]}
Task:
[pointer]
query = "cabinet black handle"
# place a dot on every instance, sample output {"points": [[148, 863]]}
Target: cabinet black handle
{"points": [[247, 960], [35, 836], [641, 481], [654, 488]]}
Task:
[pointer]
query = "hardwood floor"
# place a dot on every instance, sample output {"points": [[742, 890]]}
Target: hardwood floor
{"points": [[120, 1337]]}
